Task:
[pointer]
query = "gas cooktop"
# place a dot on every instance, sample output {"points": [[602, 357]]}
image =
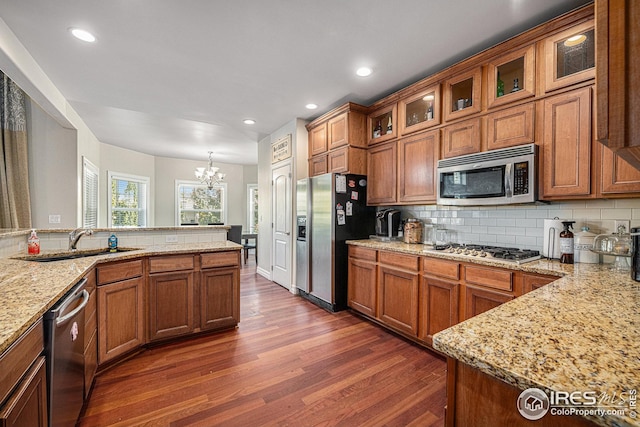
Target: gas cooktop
{"points": [[515, 255]]}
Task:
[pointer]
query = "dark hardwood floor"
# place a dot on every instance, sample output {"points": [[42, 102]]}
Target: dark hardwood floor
{"points": [[289, 363]]}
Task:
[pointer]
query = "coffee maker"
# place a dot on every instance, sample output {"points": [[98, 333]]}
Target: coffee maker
{"points": [[635, 258], [387, 223]]}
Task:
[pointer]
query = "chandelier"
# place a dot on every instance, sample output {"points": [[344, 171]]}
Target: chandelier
{"points": [[210, 176]]}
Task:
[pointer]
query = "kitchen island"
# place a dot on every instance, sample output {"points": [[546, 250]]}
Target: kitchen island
{"points": [[576, 334]]}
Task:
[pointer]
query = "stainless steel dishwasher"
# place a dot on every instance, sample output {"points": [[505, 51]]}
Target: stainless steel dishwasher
{"points": [[64, 351]]}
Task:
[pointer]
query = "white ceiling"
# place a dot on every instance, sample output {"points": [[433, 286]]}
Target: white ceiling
{"points": [[176, 78]]}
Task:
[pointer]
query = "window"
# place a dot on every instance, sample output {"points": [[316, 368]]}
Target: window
{"points": [[90, 174], [197, 205], [129, 196], [252, 208]]}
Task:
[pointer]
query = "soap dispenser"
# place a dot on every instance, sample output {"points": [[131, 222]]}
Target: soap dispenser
{"points": [[33, 243]]}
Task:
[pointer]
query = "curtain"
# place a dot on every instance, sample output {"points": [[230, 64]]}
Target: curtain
{"points": [[15, 202]]}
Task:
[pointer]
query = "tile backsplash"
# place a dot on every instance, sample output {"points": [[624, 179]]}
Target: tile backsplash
{"points": [[523, 225]]}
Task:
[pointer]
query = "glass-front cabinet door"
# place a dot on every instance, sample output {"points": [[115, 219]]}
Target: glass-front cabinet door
{"points": [[462, 95], [511, 77], [570, 56], [382, 124], [419, 111]]}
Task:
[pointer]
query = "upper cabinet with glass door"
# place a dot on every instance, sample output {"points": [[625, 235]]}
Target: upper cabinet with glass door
{"points": [[419, 111], [570, 56], [511, 77], [381, 124], [462, 95]]}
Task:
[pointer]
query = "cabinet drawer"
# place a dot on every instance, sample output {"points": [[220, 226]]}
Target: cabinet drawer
{"points": [[220, 259], [119, 271], [363, 253], [15, 362], [441, 268], [408, 262], [489, 277], [171, 263]]}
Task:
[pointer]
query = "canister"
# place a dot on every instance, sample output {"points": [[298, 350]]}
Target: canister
{"points": [[413, 231], [583, 243]]}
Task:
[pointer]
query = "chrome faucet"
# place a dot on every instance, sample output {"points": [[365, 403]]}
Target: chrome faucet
{"points": [[76, 234]]}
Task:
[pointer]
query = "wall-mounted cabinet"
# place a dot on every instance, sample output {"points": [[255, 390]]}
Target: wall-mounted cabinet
{"points": [[462, 138], [570, 56], [418, 157], [382, 163], [318, 140], [511, 126], [347, 159], [462, 95], [618, 77], [419, 111], [618, 177], [511, 77], [382, 124]]}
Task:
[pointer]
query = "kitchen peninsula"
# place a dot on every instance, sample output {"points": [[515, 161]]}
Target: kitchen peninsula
{"points": [[139, 296], [576, 334]]}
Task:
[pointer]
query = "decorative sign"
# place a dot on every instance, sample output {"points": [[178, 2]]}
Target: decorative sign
{"points": [[281, 149]]}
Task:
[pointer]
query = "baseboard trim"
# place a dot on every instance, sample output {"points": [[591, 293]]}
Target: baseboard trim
{"points": [[264, 273]]}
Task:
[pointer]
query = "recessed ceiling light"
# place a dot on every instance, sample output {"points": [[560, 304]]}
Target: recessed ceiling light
{"points": [[83, 35], [249, 122], [311, 106], [575, 40], [364, 71]]}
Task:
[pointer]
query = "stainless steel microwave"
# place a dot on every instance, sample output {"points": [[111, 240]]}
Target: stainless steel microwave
{"points": [[496, 177]]}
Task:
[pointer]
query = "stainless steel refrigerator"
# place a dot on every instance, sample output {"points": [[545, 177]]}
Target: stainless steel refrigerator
{"points": [[337, 211]]}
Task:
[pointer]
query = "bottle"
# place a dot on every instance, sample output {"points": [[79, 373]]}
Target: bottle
{"points": [[430, 112], [389, 126], [566, 243], [516, 87], [377, 131], [583, 243], [113, 243], [500, 87], [33, 243]]}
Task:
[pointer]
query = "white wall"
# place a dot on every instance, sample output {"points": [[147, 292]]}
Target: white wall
{"points": [[52, 153]]}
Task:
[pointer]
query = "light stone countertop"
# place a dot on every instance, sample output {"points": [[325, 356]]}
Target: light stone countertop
{"points": [[579, 333], [28, 289]]}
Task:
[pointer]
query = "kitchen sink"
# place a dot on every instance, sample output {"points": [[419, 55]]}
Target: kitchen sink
{"points": [[61, 256]]}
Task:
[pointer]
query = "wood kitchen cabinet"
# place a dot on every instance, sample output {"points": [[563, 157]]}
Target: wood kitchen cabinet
{"points": [[362, 280], [511, 126], [462, 138], [511, 77], [618, 177], [439, 297], [333, 139], [219, 290], [531, 282], [398, 285], [419, 111], [171, 298], [387, 119], [566, 145], [618, 77], [462, 94], [121, 323], [417, 165], [486, 288], [90, 333], [23, 386], [382, 161]]}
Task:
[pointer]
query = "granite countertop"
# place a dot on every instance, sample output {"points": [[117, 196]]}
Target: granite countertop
{"points": [[579, 333], [28, 289]]}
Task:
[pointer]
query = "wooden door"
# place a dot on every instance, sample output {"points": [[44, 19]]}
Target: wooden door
{"points": [[171, 304], [120, 317], [27, 406], [480, 300], [398, 299], [381, 166], [338, 131], [318, 165], [566, 156], [618, 176], [535, 281], [318, 140], [362, 286], [417, 164], [438, 307], [462, 138], [219, 298], [513, 126]]}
